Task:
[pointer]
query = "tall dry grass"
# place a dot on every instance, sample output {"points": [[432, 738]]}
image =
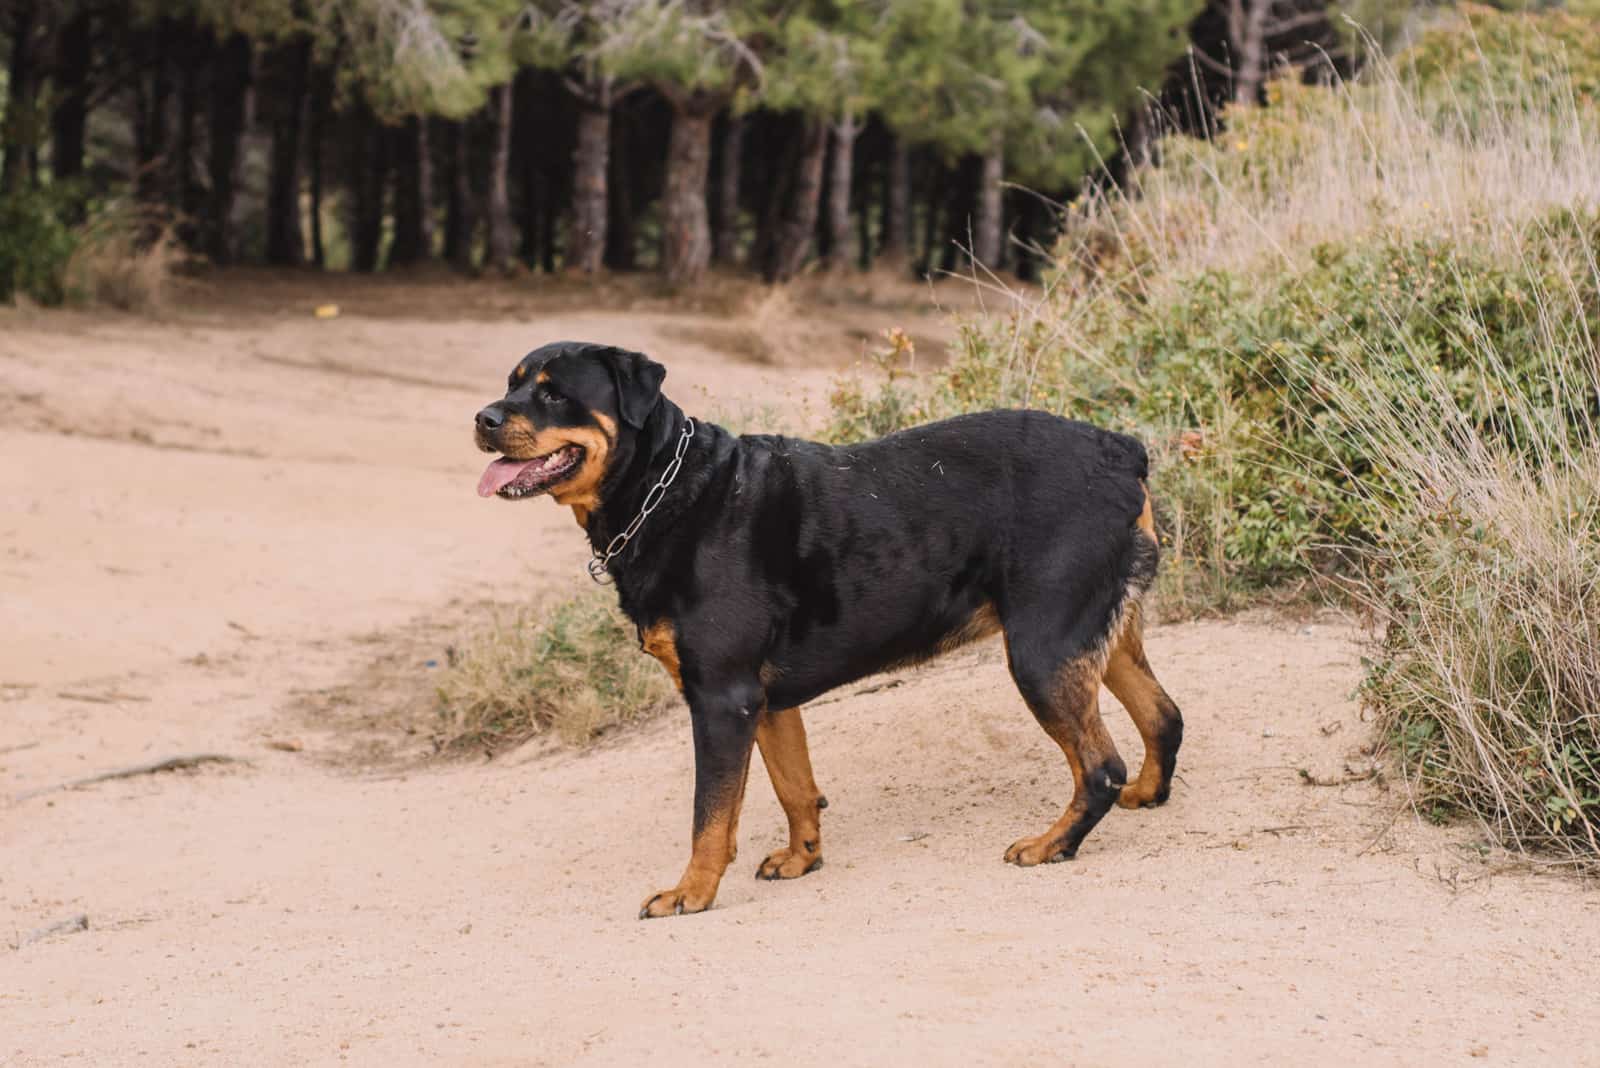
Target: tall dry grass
{"points": [[1485, 583], [573, 669], [125, 258], [1380, 156]]}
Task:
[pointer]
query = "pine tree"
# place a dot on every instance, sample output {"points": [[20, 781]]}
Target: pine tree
{"points": [[820, 60], [694, 53]]}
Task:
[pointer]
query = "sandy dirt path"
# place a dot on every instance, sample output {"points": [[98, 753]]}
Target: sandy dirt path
{"points": [[205, 518]]}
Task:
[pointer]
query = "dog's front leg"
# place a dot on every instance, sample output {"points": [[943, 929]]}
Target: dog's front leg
{"points": [[724, 719]]}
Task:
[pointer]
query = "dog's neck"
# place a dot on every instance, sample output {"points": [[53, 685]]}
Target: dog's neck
{"points": [[636, 470]]}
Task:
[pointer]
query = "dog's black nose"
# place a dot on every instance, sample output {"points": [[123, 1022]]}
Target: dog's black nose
{"points": [[491, 418]]}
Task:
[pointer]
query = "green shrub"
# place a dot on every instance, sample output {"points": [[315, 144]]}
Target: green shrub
{"points": [[36, 244], [575, 669], [1483, 56]]}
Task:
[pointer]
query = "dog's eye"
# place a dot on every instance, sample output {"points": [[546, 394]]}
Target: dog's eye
{"points": [[548, 395]]}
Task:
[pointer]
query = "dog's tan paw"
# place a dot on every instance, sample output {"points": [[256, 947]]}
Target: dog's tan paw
{"points": [[1040, 849], [791, 863], [675, 902]]}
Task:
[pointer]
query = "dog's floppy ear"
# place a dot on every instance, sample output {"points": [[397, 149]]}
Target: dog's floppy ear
{"points": [[638, 381]]}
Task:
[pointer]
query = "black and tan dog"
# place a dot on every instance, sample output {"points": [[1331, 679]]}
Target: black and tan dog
{"points": [[772, 570]]}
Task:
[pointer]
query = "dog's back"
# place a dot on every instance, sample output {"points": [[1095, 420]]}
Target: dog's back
{"points": [[897, 549]]}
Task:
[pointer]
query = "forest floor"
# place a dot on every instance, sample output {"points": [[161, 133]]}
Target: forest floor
{"points": [[240, 529]]}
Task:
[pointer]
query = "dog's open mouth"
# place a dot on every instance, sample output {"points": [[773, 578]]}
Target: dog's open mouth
{"points": [[510, 478]]}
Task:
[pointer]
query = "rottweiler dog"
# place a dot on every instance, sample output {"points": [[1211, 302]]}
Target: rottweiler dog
{"points": [[766, 571]]}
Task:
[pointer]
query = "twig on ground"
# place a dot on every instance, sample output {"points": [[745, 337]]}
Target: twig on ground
{"points": [[18, 748], [1344, 780], [110, 697], [70, 925], [189, 760]]}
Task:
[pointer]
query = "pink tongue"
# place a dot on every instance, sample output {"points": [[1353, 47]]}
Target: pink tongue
{"points": [[500, 474]]}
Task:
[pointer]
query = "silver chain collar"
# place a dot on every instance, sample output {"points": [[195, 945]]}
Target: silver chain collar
{"points": [[601, 559]]}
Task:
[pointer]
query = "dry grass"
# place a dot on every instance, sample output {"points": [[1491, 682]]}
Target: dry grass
{"points": [[1485, 581], [1373, 158], [124, 258], [574, 669]]}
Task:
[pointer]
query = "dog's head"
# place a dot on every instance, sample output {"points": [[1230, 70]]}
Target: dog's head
{"points": [[567, 409]]}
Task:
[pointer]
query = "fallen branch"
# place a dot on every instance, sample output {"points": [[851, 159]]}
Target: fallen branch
{"points": [[70, 925], [190, 760], [1349, 777], [4, 749]]}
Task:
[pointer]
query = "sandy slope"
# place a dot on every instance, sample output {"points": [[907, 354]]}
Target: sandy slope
{"points": [[204, 518]]}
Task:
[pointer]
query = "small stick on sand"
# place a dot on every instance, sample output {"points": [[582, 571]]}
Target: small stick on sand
{"points": [[70, 925], [190, 760], [1348, 778]]}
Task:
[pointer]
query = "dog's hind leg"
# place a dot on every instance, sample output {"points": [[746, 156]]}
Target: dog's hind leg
{"points": [[1065, 699], [781, 737], [1129, 678]]}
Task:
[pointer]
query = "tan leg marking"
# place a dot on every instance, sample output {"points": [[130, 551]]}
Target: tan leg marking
{"points": [[708, 860], [781, 736], [1075, 725], [1147, 519], [1130, 680], [660, 640]]}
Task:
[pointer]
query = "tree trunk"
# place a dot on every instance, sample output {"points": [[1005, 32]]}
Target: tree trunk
{"points": [[685, 227], [586, 245], [1247, 33], [864, 248], [285, 246], [369, 170], [71, 116], [187, 187], [621, 245], [727, 243], [413, 196], [986, 237], [931, 224], [321, 99], [459, 220], [497, 210], [550, 202], [531, 217], [960, 192], [17, 133], [897, 204], [844, 154], [772, 193], [230, 99], [800, 218], [150, 137]]}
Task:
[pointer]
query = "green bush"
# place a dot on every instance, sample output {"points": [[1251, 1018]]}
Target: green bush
{"points": [[36, 244]]}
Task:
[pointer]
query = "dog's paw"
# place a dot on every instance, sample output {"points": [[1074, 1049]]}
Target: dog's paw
{"points": [[675, 902], [1040, 849], [791, 863], [1139, 795]]}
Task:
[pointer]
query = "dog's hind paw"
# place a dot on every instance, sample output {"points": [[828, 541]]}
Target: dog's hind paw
{"points": [[791, 863]]}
